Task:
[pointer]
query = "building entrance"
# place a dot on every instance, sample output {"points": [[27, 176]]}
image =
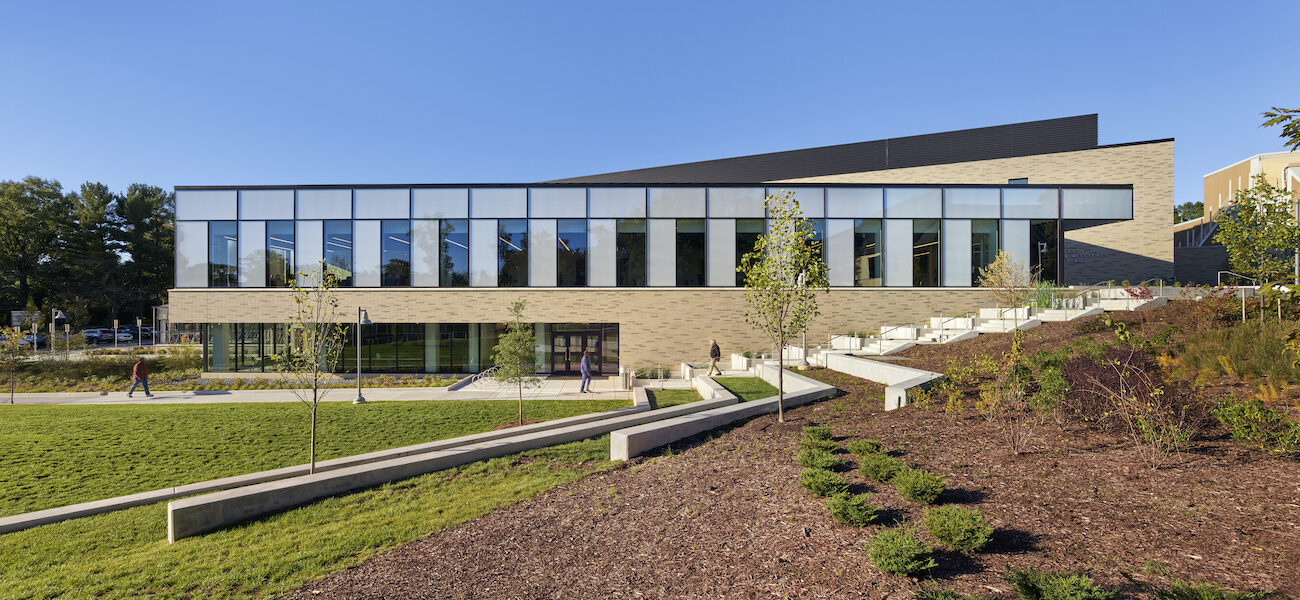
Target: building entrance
{"points": [[566, 351]]}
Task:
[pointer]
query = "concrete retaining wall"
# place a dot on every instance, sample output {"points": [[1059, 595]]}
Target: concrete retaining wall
{"points": [[898, 380], [85, 509], [634, 441], [199, 514]]}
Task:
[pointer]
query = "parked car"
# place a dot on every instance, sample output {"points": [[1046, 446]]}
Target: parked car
{"points": [[123, 335], [40, 340], [146, 333], [96, 335], [22, 343]]}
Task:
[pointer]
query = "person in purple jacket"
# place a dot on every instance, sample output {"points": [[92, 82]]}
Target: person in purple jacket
{"points": [[584, 367]]}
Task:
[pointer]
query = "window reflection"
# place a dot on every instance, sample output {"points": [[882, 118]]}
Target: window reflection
{"points": [[453, 250], [691, 254], [279, 253], [866, 253], [395, 253], [925, 252], [223, 254], [748, 231], [630, 252], [571, 252], [983, 246], [512, 252], [338, 251]]}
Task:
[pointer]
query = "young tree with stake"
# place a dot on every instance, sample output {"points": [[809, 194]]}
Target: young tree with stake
{"points": [[315, 343], [515, 355], [783, 274], [12, 350]]}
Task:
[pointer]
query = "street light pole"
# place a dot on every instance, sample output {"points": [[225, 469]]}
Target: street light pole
{"points": [[362, 319]]}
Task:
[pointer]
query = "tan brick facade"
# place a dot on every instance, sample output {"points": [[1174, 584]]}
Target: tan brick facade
{"points": [[1135, 250], [655, 325]]}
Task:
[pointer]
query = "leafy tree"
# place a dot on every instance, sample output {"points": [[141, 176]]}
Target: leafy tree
{"points": [[1188, 211], [11, 354], [1259, 231], [315, 342], [1008, 280], [1287, 118], [34, 215], [148, 242], [783, 274], [90, 265], [515, 355]]}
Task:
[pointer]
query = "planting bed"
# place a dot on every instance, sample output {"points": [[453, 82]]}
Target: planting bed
{"points": [[725, 516]]}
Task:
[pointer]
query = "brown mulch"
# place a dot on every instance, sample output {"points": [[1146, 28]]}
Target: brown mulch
{"points": [[726, 518]]}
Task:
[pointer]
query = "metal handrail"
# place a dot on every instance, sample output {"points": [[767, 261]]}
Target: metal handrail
{"points": [[1220, 277]]}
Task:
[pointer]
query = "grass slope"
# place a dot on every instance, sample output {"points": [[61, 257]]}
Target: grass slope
{"points": [[747, 388], [59, 455], [666, 398], [125, 554]]}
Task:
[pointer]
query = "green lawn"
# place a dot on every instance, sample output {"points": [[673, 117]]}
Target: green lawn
{"points": [[58, 455], [747, 388], [666, 398], [125, 554]]}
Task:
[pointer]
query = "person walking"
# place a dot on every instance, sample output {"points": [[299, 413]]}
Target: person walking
{"points": [[139, 376], [584, 367], [715, 353]]}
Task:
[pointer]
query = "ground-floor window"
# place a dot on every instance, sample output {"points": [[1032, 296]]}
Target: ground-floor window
{"points": [[413, 347]]}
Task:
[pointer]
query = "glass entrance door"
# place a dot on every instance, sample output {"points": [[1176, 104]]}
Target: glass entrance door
{"points": [[566, 352]]}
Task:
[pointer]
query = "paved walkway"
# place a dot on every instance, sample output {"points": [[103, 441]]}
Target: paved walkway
{"points": [[552, 388]]}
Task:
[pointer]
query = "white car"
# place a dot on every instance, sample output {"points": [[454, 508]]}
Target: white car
{"points": [[124, 336]]}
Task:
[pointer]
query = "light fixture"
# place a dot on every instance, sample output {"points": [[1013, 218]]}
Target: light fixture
{"points": [[363, 318]]}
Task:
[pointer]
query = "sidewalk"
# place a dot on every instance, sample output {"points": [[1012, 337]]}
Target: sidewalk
{"points": [[552, 388]]}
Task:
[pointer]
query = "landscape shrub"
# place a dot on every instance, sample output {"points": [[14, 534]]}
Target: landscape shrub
{"points": [[918, 485], [1031, 584], [863, 447], [823, 483], [1253, 422], [817, 432], [852, 510], [1245, 351], [899, 552], [935, 592], [818, 459], [1052, 388], [880, 467], [816, 444], [957, 528], [1179, 590]]}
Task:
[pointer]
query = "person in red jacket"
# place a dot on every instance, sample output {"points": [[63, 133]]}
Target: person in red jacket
{"points": [[139, 376]]}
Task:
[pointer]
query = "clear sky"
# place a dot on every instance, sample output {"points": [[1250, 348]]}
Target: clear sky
{"points": [[187, 93]]}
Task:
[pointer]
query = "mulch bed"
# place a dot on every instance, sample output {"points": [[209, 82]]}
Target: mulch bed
{"points": [[723, 516]]}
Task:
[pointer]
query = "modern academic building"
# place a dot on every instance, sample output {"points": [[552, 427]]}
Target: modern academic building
{"points": [[639, 266]]}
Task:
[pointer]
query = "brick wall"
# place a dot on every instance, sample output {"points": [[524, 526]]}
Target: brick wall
{"points": [[655, 325]]}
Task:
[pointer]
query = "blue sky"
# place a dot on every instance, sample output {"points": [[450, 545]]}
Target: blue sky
{"points": [[180, 93]]}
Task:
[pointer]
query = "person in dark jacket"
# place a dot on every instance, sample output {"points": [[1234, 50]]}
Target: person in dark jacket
{"points": [[139, 376], [584, 367], [715, 353]]}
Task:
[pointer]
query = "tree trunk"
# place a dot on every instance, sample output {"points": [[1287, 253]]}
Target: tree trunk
{"points": [[311, 469], [13, 376], [521, 403], [780, 377]]}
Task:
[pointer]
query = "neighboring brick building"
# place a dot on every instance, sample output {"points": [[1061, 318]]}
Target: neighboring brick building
{"points": [[639, 266]]}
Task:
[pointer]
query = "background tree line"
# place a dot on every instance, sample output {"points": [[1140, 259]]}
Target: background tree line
{"points": [[93, 253]]}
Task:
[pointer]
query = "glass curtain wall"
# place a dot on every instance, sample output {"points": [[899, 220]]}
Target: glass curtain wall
{"points": [[630, 250], [395, 253], [338, 251], [279, 253], [1044, 243], [512, 252], [867, 246], [925, 252], [692, 255], [747, 233], [223, 254], [453, 253], [571, 253], [818, 241], [983, 246]]}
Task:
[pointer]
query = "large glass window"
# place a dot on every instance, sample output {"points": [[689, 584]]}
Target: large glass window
{"points": [[338, 251], [453, 347], [453, 248], [630, 250], [747, 233], [395, 253], [1043, 246], [223, 254], [692, 255], [867, 247], [279, 253], [925, 252], [983, 246], [571, 252], [512, 252]]}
